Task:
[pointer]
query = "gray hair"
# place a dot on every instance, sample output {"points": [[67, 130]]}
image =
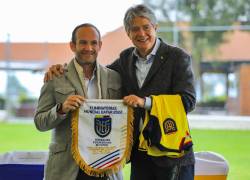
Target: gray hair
{"points": [[139, 10]]}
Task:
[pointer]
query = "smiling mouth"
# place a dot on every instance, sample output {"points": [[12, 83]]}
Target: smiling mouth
{"points": [[87, 53], [142, 40]]}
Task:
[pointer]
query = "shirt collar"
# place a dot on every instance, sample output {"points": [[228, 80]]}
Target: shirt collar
{"points": [[80, 70]]}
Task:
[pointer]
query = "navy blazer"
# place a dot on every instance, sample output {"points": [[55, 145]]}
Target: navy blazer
{"points": [[170, 73]]}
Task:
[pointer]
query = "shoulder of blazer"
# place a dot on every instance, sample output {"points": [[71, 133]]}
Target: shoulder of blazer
{"points": [[70, 69], [110, 74], [107, 70], [127, 52], [172, 50]]}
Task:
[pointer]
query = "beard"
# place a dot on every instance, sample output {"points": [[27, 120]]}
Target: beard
{"points": [[80, 60]]}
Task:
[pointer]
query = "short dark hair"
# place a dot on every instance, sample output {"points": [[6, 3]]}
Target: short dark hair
{"points": [[73, 37]]}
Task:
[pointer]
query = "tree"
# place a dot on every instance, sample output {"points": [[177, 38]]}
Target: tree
{"points": [[199, 15], [202, 13], [15, 87]]}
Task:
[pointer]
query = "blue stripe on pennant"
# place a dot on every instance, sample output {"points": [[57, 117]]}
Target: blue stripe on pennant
{"points": [[106, 161], [103, 159]]}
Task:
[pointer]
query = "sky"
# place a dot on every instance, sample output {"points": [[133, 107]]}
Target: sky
{"points": [[54, 20]]}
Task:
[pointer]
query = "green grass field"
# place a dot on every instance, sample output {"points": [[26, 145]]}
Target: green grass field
{"points": [[233, 145]]}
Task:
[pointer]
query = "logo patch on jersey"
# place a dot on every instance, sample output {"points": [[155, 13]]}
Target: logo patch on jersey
{"points": [[103, 125], [169, 126]]}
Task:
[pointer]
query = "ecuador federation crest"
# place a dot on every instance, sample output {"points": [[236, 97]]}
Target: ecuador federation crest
{"points": [[103, 125]]}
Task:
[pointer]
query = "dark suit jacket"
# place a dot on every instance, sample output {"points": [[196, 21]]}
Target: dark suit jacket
{"points": [[170, 73]]}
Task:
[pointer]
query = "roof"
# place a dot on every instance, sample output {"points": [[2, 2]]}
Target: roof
{"points": [[51, 52], [236, 48]]}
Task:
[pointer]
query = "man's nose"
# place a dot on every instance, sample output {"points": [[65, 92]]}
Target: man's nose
{"points": [[88, 47], [141, 32]]}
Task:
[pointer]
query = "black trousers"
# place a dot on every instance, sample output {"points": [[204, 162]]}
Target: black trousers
{"points": [[147, 170], [83, 176]]}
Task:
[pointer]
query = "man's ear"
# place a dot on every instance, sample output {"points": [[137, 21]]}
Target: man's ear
{"points": [[128, 34], [72, 46], [156, 27], [100, 44]]}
